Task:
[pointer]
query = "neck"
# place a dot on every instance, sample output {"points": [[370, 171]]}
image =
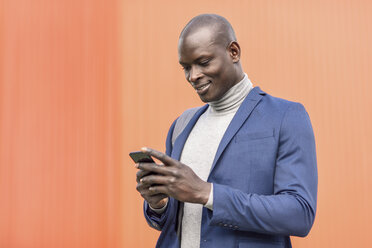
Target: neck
{"points": [[232, 99]]}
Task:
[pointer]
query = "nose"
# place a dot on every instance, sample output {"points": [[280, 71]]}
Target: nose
{"points": [[194, 74]]}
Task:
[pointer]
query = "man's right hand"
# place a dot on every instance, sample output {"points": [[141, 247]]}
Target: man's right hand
{"points": [[155, 200]]}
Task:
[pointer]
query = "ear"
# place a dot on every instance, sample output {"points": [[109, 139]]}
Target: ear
{"points": [[234, 51]]}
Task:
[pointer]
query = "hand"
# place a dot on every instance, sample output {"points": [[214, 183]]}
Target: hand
{"points": [[155, 200], [173, 179]]}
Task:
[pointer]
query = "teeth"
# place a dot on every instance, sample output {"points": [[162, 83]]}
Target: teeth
{"points": [[202, 87]]}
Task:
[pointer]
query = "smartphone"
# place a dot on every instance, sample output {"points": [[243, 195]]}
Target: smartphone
{"points": [[140, 157]]}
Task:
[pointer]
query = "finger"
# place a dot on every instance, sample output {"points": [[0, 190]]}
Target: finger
{"points": [[157, 179], [158, 197], [154, 194], [144, 190], [154, 168], [155, 199], [137, 164], [141, 173], [159, 155], [158, 189], [146, 193], [154, 164]]}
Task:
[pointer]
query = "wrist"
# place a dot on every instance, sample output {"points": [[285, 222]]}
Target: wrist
{"points": [[159, 205], [209, 204], [204, 193]]}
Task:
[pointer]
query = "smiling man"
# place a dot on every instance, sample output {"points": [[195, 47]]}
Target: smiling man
{"points": [[210, 56], [239, 171]]}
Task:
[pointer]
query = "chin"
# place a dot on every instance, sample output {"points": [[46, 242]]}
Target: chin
{"points": [[211, 96], [207, 99]]}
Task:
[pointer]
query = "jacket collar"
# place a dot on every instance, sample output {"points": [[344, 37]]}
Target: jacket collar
{"points": [[239, 118]]}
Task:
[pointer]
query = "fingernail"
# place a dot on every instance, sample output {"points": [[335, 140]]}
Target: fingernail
{"points": [[144, 149], [136, 165]]}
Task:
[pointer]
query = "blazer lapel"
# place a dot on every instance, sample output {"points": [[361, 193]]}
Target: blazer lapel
{"points": [[239, 118], [181, 139]]}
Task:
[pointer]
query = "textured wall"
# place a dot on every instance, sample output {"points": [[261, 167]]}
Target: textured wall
{"points": [[60, 124], [83, 83]]}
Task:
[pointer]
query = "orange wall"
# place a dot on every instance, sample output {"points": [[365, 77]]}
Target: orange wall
{"points": [[82, 83], [60, 124]]}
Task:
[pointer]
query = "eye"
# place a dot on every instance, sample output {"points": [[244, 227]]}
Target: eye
{"points": [[205, 62], [186, 68]]}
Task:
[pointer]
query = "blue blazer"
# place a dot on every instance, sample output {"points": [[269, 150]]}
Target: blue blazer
{"points": [[264, 177]]}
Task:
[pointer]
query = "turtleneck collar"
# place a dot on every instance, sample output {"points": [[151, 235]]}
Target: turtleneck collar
{"points": [[232, 99]]}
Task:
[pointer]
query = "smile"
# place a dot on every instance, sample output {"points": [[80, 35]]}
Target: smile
{"points": [[203, 88]]}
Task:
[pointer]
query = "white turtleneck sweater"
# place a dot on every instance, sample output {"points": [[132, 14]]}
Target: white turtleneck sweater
{"points": [[200, 149]]}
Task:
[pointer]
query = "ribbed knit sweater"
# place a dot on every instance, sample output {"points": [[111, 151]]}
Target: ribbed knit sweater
{"points": [[200, 149]]}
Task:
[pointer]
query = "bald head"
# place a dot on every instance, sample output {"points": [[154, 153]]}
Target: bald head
{"points": [[221, 29], [210, 56]]}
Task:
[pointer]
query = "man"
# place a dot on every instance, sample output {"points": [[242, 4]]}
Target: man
{"points": [[242, 172]]}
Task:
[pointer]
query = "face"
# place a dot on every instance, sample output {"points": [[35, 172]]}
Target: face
{"points": [[209, 66]]}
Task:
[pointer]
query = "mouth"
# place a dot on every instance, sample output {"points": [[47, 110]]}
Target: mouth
{"points": [[202, 89]]}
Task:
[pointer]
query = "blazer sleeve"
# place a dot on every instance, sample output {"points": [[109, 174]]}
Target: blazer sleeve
{"points": [[157, 221], [291, 209]]}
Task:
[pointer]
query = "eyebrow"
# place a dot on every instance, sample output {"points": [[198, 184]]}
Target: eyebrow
{"points": [[197, 59]]}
